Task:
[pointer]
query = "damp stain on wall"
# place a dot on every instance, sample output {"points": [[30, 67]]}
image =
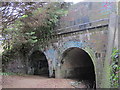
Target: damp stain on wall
{"points": [[69, 44], [52, 55]]}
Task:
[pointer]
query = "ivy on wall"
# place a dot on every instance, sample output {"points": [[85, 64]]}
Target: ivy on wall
{"points": [[115, 68], [31, 28]]}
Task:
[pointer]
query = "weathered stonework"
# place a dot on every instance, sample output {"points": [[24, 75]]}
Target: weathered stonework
{"points": [[92, 41]]}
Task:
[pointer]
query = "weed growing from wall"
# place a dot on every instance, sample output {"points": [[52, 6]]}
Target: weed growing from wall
{"points": [[115, 68]]}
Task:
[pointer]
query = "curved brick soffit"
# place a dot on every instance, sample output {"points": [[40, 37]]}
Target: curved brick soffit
{"points": [[49, 51], [79, 44], [54, 53]]}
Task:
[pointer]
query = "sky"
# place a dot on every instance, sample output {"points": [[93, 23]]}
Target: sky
{"points": [[74, 1]]}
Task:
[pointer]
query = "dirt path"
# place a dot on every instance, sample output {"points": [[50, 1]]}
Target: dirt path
{"points": [[35, 82]]}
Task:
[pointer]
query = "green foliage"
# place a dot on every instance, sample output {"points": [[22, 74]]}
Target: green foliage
{"points": [[115, 68], [31, 29], [10, 73], [24, 16], [7, 73]]}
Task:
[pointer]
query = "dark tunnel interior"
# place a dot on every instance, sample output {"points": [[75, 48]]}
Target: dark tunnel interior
{"points": [[77, 64], [39, 63]]}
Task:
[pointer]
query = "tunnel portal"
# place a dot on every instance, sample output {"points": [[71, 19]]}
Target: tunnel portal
{"points": [[77, 64], [39, 63]]}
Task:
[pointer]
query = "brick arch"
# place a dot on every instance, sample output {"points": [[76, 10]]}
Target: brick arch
{"points": [[39, 63], [37, 48], [82, 45], [71, 43], [87, 51], [91, 53], [34, 49]]}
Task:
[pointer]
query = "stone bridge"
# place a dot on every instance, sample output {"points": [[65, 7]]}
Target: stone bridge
{"points": [[77, 52]]}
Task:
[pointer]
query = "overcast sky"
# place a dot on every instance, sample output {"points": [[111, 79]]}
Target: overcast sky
{"points": [[75, 1]]}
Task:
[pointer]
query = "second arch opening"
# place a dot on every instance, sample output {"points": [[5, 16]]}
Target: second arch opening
{"points": [[77, 64], [39, 63]]}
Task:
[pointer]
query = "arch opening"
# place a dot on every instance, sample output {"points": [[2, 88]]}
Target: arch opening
{"points": [[77, 64], [39, 63]]}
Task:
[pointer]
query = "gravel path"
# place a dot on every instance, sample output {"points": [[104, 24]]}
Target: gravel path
{"points": [[35, 82]]}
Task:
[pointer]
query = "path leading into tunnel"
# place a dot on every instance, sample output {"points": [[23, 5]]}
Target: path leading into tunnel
{"points": [[36, 82]]}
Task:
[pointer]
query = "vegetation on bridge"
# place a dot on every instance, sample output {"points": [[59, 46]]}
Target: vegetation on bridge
{"points": [[33, 25], [115, 68], [26, 24]]}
